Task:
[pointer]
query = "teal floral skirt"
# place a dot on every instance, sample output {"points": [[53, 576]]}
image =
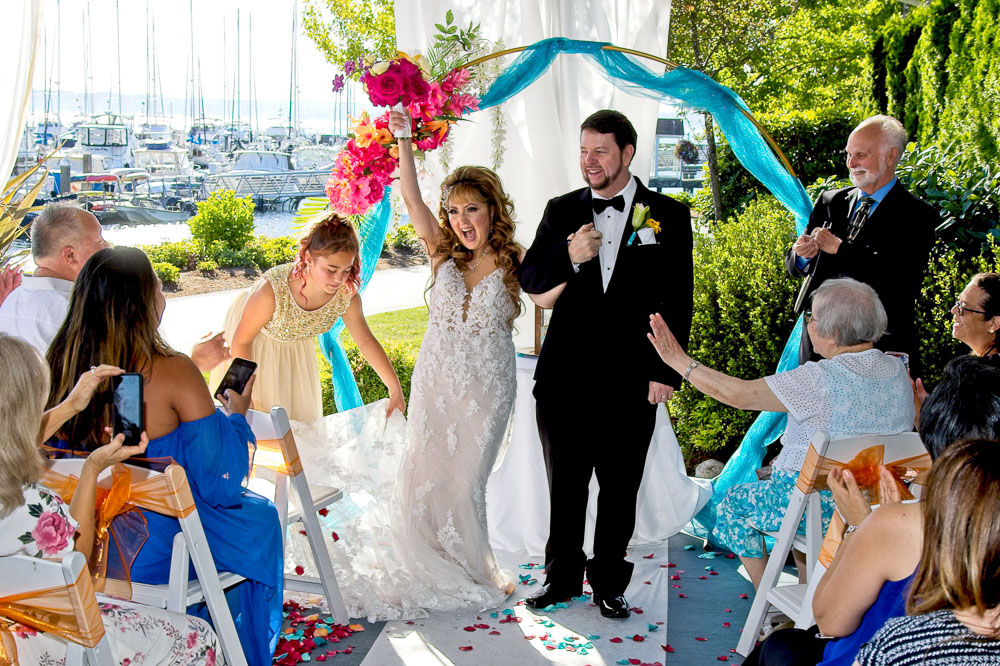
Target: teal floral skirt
{"points": [[762, 503]]}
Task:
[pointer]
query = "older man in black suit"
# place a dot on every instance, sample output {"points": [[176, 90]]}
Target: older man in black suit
{"points": [[875, 232], [598, 381]]}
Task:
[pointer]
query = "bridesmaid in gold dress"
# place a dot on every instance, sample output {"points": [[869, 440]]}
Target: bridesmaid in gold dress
{"points": [[277, 322]]}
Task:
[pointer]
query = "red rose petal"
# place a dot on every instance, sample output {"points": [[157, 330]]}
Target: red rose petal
{"points": [[730, 556], [615, 640], [700, 638], [303, 533], [726, 625], [335, 537], [469, 628], [299, 570], [676, 587], [723, 658], [648, 557], [675, 577], [713, 573], [744, 595], [465, 648], [637, 610], [667, 648], [323, 511], [702, 577], [638, 638], [635, 662], [727, 610], [671, 565], [682, 596], [494, 633], [482, 626], [646, 582]]}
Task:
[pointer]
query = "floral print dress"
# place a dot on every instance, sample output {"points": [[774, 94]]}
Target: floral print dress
{"points": [[42, 527]]}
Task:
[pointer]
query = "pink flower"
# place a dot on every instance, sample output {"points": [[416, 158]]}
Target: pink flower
{"points": [[463, 103], [52, 533], [455, 80], [192, 639], [210, 657], [385, 89]]}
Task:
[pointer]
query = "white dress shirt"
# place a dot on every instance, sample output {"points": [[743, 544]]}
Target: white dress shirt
{"points": [[611, 223], [35, 310]]}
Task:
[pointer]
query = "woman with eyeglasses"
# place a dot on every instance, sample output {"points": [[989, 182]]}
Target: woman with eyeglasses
{"points": [[854, 390], [975, 321]]}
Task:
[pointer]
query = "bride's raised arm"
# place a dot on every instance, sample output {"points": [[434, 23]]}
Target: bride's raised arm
{"points": [[423, 219]]}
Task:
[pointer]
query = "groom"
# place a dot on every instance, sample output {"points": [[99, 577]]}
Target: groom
{"points": [[598, 381]]}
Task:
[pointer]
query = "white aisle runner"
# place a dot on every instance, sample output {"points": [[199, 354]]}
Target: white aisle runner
{"points": [[571, 636]]}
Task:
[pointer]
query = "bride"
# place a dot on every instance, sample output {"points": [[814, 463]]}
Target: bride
{"points": [[461, 397]]}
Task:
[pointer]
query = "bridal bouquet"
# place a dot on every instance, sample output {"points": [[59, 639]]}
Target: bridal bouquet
{"points": [[363, 169]]}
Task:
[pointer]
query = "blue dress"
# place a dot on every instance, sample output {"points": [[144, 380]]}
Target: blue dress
{"points": [[891, 602], [243, 530]]}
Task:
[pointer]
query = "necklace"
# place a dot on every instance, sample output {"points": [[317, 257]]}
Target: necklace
{"points": [[472, 266]]}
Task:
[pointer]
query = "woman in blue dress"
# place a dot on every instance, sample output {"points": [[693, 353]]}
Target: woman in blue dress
{"points": [[114, 313]]}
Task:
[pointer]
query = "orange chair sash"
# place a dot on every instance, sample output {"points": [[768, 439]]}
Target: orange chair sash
{"points": [[270, 454], [864, 466], [120, 529], [61, 610]]}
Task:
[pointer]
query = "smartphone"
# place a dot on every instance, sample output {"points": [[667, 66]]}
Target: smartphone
{"points": [[237, 376], [902, 356], [127, 402]]}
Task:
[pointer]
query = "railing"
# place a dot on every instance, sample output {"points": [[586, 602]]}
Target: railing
{"points": [[270, 188]]}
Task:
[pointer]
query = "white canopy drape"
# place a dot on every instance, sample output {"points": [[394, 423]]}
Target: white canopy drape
{"points": [[17, 53], [543, 121]]}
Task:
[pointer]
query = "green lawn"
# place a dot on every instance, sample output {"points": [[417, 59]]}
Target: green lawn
{"points": [[403, 327], [400, 333]]}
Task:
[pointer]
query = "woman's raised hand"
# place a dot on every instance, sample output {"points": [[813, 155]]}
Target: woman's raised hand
{"points": [[85, 387], [666, 344], [398, 121]]}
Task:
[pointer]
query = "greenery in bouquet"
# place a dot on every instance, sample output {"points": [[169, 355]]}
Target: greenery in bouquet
{"points": [[436, 90]]}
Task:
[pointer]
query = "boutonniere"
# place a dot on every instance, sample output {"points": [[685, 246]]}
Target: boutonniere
{"points": [[642, 220]]}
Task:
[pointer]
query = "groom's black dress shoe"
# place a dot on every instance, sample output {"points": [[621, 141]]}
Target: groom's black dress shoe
{"points": [[548, 596], [613, 606]]}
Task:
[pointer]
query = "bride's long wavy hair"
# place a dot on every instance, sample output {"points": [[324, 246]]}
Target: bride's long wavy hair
{"points": [[474, 183]]}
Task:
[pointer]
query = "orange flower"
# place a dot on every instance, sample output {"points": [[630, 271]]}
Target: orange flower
{"points": [[439, 126], [394, 151]]}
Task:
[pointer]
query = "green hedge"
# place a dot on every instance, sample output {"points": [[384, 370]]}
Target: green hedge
{"points": [[938, 70], [369, 384], [168, 273], [260, 252], [742, 317], [224, 217], [813, 141]]}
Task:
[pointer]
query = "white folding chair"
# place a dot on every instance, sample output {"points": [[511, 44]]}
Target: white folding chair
{"points": [[795, 601], [74, 604], [168, 493], [276, 450]]}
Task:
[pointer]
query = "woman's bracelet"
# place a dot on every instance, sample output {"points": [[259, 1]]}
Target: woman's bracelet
{"points": [[687, 373]]}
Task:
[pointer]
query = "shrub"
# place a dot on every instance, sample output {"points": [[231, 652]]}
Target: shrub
{"points": [[207, 266], [181, 254], [168, 273], [369, 384], [268, 252], [742, 317], [229, 258], [224, 217], [403, 237]]}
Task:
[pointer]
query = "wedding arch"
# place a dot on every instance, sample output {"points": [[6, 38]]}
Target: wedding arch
{"points": [[749, 141]]}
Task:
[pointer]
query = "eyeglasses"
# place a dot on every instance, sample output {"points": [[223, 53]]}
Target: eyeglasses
{"points": [[807, 316], [960, 306]]}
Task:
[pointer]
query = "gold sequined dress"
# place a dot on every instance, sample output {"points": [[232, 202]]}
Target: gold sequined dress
{"points": [[285, 349]]}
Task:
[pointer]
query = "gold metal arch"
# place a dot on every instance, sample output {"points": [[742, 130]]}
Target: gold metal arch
{"points": [[669, 65]]}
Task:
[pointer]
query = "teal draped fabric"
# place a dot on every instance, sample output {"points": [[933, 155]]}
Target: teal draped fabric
{"points": [[749, 146], [373, 231]]}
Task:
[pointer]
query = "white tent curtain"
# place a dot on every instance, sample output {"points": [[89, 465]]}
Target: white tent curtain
{"points": [[17, 53], [542, 122]]}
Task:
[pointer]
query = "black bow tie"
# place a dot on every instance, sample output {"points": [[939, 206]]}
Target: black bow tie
{"points": [[600, 205]]}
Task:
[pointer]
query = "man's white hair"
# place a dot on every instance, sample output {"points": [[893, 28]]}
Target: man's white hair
{"points": [[893, 132]]}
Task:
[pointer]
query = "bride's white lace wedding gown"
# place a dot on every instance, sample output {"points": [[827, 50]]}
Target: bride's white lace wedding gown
{"points": [[416, 534]]}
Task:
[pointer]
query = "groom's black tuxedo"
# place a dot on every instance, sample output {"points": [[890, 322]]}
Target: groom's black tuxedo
{"points": [[593, 375]]}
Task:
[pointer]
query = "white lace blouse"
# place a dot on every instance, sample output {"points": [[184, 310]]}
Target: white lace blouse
{"points": [[860, 393]]}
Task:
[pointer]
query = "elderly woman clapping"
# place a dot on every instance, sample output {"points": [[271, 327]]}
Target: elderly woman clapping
{"points": [[854, 390]]}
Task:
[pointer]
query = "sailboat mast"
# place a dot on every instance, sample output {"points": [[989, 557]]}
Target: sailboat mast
{"points": [[147, 62], [291, 77], [194, 109], [59, 61], [239, 99], [118, 38]]}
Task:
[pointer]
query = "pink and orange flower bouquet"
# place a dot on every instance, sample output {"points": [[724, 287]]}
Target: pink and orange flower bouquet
{"points": [[363, 169]]}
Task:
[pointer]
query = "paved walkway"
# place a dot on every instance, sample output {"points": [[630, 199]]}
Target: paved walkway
{"points": [[189, 318]]}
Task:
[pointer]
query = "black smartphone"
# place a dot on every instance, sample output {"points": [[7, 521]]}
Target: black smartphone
{"points": [[127, 402], [237, 376]]}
